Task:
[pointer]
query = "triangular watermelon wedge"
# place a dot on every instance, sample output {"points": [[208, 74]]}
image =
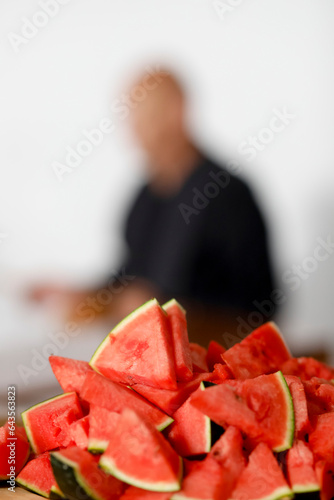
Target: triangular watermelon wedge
{"points": [[190, 433], [100, 391], [300, 468], [139, 350], [262, 352], [37, 476], [139, 455], [262, 478], [215, 477], [261, 408], [176, 318], [70, 373]]}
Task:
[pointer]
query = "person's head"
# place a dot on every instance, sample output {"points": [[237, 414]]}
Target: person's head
{"points": [[158, 121]]}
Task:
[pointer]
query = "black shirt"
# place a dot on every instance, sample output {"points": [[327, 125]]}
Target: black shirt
{"points": [[207, 242]]}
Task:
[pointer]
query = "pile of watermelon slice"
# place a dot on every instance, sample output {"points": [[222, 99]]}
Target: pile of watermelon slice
{"points": [[152, 416]]}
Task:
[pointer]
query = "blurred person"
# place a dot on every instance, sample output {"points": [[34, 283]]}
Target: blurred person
{"points": [[193, 232]]}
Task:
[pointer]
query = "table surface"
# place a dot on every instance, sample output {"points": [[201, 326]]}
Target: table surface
{"points": [[20, 494]]}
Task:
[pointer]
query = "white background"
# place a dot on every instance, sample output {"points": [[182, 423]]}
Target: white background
{"points": [[237, 67]]}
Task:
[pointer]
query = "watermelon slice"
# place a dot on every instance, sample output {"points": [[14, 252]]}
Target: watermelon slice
{"points": [[133, 493], [170, 401], [325, 474], [300, 468], [80, 478], [306, 368], [320, 395], [321, 439], [37, 476], [140, 456], [261, 408], [262, 352], [302, 423], [139, 350], [198, 356], [70, 373], [103, 392], [13, 440], [190, 433], [262, 478], [203, 482], [176, 318], [47, 423], [215, 477], [214, 354], [103, 424]]}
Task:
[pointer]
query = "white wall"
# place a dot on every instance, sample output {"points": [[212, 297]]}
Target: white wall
{"points": [[239, 66]]}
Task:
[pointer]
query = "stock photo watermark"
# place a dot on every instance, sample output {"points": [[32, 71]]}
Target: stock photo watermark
{"points": [[249, 148], [11, 439], [92, 138], [222, 9], [253, 144], [293, 277], [88, 309], [31, 27]]}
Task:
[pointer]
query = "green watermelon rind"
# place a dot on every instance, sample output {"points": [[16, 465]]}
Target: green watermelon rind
{"points": [[108, 465], [305, 488], [208, 432], [97, 446], [30, 487], [25, 415], [281, 492], [173, 302], [169, 420], [288, 441], [119, 327], [55, 493], [59, 460]]}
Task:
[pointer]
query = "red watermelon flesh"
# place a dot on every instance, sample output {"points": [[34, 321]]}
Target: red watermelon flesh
{"points": [[302, 423], [90, 477], [190, 433], [300, 468], [215, 476], [306, 368], [133, 493], [78, 433], [103, 392], [321, 439], [214, 354], [139, 350], [221, 373], [103, 424], [37, 476], [170, 401], [262, 352], [47, 423], [325, 474], [228, 452], [262, 477], [198, 356], [261, 408], [176, 319], [70, 373], [320, 395], [18, 445], [139, 455], [203, 482]]}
